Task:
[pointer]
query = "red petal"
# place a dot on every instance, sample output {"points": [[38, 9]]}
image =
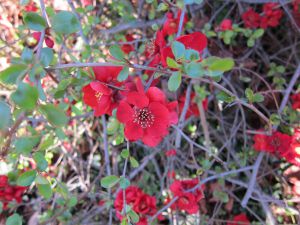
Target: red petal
{"points": [[107, 73], [124, 112], [98, 87], [133, 131], [196, 41], [137, 99], [156, 95]]}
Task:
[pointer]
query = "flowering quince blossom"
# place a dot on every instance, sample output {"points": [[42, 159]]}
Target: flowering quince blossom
{"points": [[100, 97], [127, 48], [48, 41], [193, 107], [31, 7], [226, 24], [271, 16], [281, 145], [240, 219], [171, 24], [251, 19], [196, 41], [146, 115], [141, 203], [296, 101], [9, 193], [187, 201], [86, 2]]}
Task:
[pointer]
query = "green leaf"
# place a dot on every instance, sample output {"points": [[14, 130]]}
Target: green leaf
{"points": [[223, 96], [65, 22], [1, 207], [178, 50], [258, 97], [223, 65], [162, 7], [109, 181], [174, 81], [123, 75], [72, 202], [124, 182], [220, 195], [25, 96], [24, 145], [40, 160], [191, 55], [249, 94], [134, 217], [41, 180], [194, 69], [112, 126], [116, 52], [12, 73], [172, 63], [27, 178], [250, 42], [125, 153], [14, 219], [27, 55], [258, 33], [24, 2], [46, 56], [5, 115], [34, 21], [133, 162], [55, 115], [45, 190]]}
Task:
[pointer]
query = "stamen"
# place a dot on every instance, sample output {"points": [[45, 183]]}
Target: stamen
{"points": [[143, 117], [98, 95]]}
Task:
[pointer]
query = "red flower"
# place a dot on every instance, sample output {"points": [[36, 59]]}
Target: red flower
{"points": [[86, 2], [171, 24], [146, 116], [170, 153], [187, 201], [98, 95], [296, 101], [240, 219], [278, 143], [251, 18], [127, 48], [293, 153], [31, 7], [141, 203], [48, 41], [271, 15], [226, 24], [9, 193], [196, 41], [193, 107]]}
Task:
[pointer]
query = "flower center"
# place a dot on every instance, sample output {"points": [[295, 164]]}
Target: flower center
{"points": [[143, 117], [98, 95]]}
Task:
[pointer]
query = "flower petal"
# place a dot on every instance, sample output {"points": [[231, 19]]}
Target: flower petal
{"points": [[137, 99], [124, 112], [133, 131]]}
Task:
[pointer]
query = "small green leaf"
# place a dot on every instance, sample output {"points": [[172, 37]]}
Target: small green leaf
{"points": [[1, 207], [124, 182], [34, 21], [123, 75], [194, 69], [125, 153], [172, 63], [5, 115], [116, 52], [249, 94], [55, 115], [72, 201], [24, 145], [45, 190], [27, 178], [65, 22], [178, 50], [220, 195], [12, 73], [133, 162], [162, 7], [109, 181], [191, 55], [223, 65], [27, 55], [14, 219], [223, 96], [258, 97], [41, 180], [250, 42], [25, 96], [134, 217], [258, 33], [40, 160], [174, 81], [46, 56]]}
